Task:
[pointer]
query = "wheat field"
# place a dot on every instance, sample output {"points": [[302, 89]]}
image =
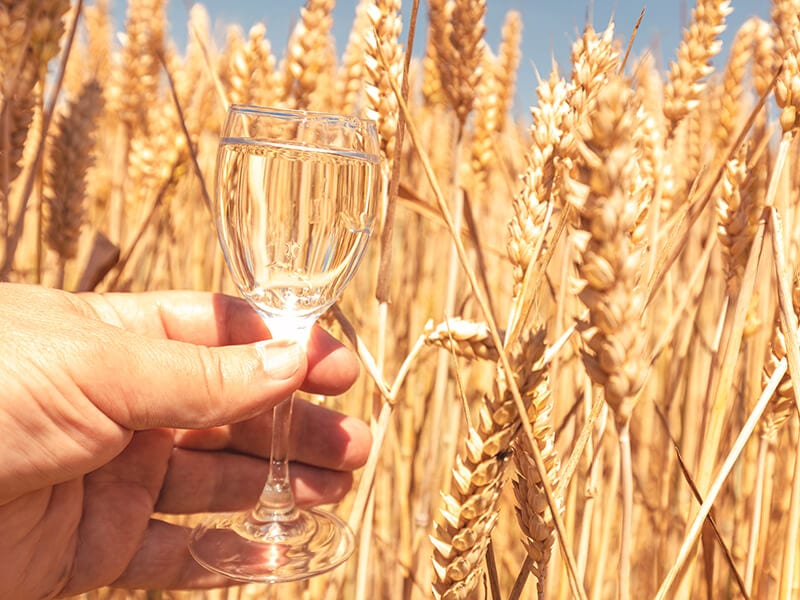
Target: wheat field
{"points": [[578, 329]]}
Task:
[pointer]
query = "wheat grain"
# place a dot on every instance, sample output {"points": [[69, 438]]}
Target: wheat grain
{"points": [[251, 69], [438, 24], [787, 88], [594, 59], [14, 32], [782, 404], [466, 338], [786, 17], [533, 515], [486, 123]]}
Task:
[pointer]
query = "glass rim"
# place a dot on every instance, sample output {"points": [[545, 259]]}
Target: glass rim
{"points": [[294, 113]]}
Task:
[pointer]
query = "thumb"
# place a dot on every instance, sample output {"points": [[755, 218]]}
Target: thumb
{"points": [[149, 383]]}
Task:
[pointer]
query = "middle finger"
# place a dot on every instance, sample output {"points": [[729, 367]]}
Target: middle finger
{"points": [[319, 436]]}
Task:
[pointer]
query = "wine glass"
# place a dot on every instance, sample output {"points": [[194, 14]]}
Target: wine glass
{"points": [[295, 198]]}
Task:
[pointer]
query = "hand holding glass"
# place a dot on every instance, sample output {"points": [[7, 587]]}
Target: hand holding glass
{"points": [[296, 194]]}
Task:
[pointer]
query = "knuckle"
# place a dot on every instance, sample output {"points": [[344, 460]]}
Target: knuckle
{"points": [[213, 382]]}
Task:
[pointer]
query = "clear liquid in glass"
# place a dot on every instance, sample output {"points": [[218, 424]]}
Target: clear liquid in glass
{"points": [[293, 220]]}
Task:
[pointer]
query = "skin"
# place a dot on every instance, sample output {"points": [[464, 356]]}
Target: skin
{"points": [[115, 407]]}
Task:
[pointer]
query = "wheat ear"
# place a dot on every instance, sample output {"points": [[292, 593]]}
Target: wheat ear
{"points": [[507, 63], [787, 88], [533, 515], [383, 58], [486, 123], [69, 158], [470, 339], [349, 77], [738, 213], [540, 179], [469, 511], [699, 45], [307, 53], [459, 49], [136, 80], [613, 342], [730, 106]]}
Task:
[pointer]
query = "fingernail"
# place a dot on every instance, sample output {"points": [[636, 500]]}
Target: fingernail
{"points": [[281, 358]]}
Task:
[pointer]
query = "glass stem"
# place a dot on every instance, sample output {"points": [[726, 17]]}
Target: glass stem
{"points": [[277, 500]]}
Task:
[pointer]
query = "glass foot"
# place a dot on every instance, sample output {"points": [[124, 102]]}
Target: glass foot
{"points": [[245, 549]]}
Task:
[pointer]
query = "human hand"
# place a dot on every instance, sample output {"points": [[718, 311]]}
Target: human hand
{"points": [[118, 406]]}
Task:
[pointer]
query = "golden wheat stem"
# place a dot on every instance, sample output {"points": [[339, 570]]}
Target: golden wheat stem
{"points": [[764, 553], [596, 457], [605, 543], [442, 372], [790, 549], [788, 320], [119, 167], [491, 569], [365, 546], [504, 360], [360, 349], [721, 380], [678, 313], [755, 522], [522, 578], [690, 539], [220, 89], [626, 533], [584, 436], [38, 208]]}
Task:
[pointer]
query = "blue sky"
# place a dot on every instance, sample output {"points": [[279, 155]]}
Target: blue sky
{"points": [[549, 26]]}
